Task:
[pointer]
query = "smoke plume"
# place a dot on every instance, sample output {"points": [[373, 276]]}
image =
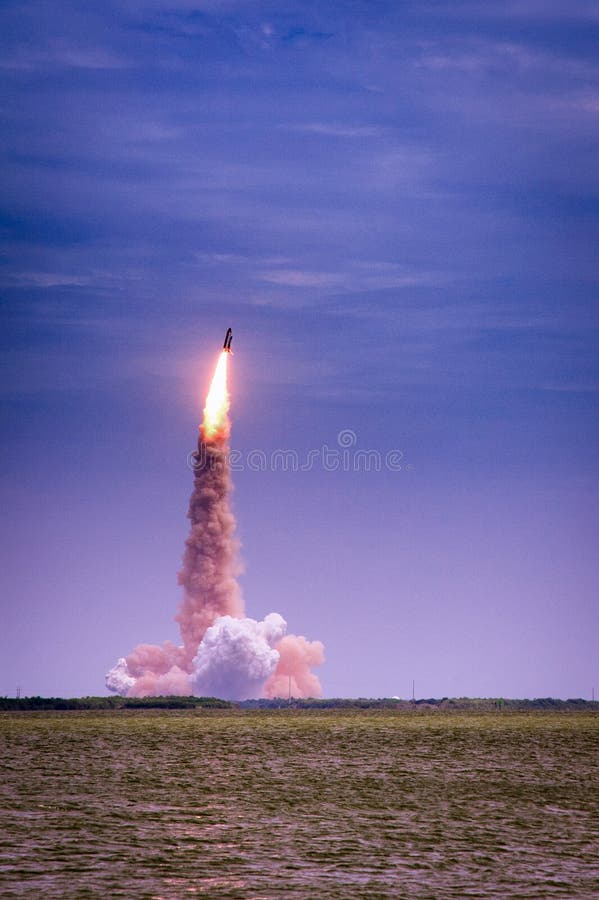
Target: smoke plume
{"points": [[222, 653], [236, 656]]}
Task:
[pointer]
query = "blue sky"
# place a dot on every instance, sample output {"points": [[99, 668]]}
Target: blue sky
{"points": [[395, 206]]}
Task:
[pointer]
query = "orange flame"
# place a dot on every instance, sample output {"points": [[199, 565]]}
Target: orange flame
{"points": [[217, 402]]}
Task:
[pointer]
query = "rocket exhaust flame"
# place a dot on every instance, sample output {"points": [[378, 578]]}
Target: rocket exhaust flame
{"points": [[222, 651], [216, 411]]}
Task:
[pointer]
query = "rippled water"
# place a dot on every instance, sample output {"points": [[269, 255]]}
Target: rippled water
{"points": [[299, 804]]}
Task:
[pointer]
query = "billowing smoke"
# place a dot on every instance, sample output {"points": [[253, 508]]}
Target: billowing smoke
{"points": [[223, 653], [296, 657], [236, 656]]}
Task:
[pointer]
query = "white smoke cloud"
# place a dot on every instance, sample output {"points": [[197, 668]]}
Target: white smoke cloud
{"points": [[118, 678], [237, 656]]}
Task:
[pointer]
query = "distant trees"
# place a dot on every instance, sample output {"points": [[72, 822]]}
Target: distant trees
{"points": [[60, 703], [474, 704]]}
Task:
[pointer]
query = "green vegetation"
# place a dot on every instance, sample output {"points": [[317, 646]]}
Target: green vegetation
{"points": [[446, 703], [48, 703], [473, 704]]}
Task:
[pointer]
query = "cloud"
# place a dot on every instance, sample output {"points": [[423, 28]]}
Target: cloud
{"points": [[24, 58], [302, 279], [539, 10], [514, 59], [50, 279], [362, 276], [330, 129]]}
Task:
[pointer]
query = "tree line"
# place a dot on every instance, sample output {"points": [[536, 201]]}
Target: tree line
{"points": [[473, 704], [48, 703]]}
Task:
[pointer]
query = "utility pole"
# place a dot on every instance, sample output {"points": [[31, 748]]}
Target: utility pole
{"points": [[413, 694]]}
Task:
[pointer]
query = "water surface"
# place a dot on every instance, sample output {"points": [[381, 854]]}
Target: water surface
{"points": [[299, 804]]}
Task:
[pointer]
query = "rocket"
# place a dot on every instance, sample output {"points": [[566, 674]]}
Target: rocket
{"points": [[228, 339]]}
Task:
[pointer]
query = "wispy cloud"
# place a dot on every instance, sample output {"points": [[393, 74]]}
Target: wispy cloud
{"points": [[48, 279], [302, 279], [539, 10], [480, 55], [360, 276], [571, 388], [61, 55], [330, 129]]}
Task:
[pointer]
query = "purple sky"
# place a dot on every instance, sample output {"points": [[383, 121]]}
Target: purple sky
{"points": [[395, 206]]}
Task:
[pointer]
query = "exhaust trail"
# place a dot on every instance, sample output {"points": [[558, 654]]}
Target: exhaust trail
{"points": [[211, 559], [223, 652]]}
